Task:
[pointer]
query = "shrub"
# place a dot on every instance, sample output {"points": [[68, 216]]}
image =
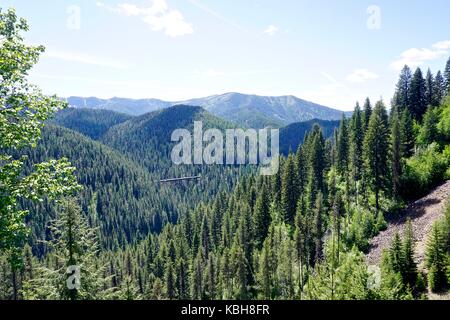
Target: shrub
{"points": [[424, 170]]}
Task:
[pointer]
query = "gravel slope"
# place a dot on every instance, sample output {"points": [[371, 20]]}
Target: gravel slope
{"points": [[423, 213]]}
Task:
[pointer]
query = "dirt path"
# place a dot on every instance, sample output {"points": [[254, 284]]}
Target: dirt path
{"points": [[423, 213]]}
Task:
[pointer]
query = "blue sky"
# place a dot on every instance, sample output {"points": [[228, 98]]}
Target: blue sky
{"points": [[329, 52]]}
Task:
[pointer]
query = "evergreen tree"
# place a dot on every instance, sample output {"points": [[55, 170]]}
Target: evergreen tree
{"points": [[435, 258], [288, 190], [169, 281], [316, 165], [409, 269], [342, 147], [396, 154], [396, 254], [402, 93], [376, 150], [356, 146], [211, 285], [447, 76], [265, 272], [429, 89], [318, 225], [417, 100], [407, 133], [439, 89], [74, 245], [261, 218], [367, 112]]}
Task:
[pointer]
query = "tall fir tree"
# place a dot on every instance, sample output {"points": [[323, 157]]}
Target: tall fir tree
{"points": [[447, 76], [409, 269], [376, 151], [439, 89], [402, 92], [435, 258], [407, 133], [367, 112], [429, 89], [261, 217], [288, 190], [342, 147], [396, 143], [356, 148], [417, 100]]}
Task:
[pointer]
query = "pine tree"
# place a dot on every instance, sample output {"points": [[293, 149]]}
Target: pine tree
{"points": [[211, 286], [367, 111], [197, 277], [75, 247], [300, 239], [407, 133], [396, 254], [439, 89], [429, 89], [318, 232], [261, 218], [182, 279], [376, 150], [435, 258], [396, 154], [417, 99], [402, 94], [338, 213], [342, 147], [356, 147], [288, 190], [447, 76], [265, 272], [315, 165], [409, 270]]}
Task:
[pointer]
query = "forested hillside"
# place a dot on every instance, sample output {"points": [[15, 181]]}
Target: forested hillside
{"points": [[300, 234]]}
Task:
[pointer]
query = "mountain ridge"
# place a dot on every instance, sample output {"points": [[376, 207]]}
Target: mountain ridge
{"points": [[245, 109]]}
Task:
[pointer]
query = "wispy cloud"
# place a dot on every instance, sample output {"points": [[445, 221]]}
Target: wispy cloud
{"points": [[361, 75], [157, 15], [271, 30], [415, 57], [85, 59], [216, 15]]}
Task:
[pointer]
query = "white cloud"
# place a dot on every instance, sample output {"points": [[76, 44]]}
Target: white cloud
{"points": [[271, 30], [158, 16], [415, 57], [442, 45], [85, 59], [361, 75]]}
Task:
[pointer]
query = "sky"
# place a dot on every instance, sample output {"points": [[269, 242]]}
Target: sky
{"points": [[330, 52]]}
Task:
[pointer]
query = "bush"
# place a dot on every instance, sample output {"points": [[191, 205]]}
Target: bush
{"points": [[424, 170], [443, 125]]}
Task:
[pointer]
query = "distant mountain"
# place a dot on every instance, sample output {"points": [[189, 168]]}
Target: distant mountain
{"points": [[90, 122], [260, 111], [292, 135], [133, 107], [247, 110]]}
